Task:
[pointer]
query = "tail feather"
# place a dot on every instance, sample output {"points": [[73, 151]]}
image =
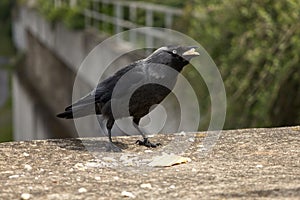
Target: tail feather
{"points": [[78, 111], [67, 115]]}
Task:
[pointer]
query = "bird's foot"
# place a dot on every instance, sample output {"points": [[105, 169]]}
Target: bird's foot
{"points": [[147, 143], [113, 147]]}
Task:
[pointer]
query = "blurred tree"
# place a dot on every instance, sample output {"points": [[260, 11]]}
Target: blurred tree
{"points": [[6, 47], [173, 3], [72, 17], [4, 9], [6, 52], [256, 45]]}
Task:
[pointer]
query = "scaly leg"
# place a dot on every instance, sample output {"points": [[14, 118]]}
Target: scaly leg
{"points": [[109, 125]]}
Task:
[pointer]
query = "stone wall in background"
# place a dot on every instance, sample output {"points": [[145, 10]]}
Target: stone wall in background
{"points": [[43, 84]]}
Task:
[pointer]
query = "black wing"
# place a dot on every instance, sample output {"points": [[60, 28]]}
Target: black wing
{"points": [[101, 94]]}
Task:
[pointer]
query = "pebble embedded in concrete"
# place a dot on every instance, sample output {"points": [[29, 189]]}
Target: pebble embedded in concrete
{"points": [[182, 133], [172, 187], [25, 196], [27, 167], [128, 194], [82, 190], [25, 154], [146, 185], [109, 159], [14, 176]]}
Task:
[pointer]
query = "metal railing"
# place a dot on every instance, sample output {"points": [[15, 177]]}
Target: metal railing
{"points": [[71, 3], [115, 16]]}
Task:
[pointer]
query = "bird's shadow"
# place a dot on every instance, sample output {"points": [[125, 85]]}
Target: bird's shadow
{"points": [[91, 145]]}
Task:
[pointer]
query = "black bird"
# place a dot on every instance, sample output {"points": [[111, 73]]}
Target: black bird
{"points": [[147, 82]]}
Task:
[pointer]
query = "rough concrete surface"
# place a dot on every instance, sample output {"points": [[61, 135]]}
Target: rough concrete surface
{"points": [[246, 164]]}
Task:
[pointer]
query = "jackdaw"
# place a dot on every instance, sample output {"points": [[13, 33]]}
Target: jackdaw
{"points": [[140, 85]]}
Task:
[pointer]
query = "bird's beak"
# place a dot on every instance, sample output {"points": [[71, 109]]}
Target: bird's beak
{"points": [[191, 52]]}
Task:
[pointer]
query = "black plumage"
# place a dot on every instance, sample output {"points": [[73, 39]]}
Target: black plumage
{"points": [[143, 83]]}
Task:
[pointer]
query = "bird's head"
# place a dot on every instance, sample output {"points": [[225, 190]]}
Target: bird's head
{"points": [[174, 56]]}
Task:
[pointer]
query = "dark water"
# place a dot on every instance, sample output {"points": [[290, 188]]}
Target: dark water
{"points": [[3, 81]]}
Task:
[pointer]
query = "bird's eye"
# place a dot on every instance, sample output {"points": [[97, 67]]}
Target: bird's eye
{"points": [[174, 51]]}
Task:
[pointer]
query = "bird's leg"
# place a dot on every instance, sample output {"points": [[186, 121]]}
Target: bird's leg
{"points": [[109, 125], [145, 141]]}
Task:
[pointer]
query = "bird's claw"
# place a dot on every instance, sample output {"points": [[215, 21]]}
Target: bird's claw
{"points": [[147, 143], [112, 147]]}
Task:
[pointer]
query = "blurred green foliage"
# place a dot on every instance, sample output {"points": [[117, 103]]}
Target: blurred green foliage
{"points": [[173, 3], [72, 17], [4, 9], [256, 46], [6, 51], [6, 128], [6, 47]]}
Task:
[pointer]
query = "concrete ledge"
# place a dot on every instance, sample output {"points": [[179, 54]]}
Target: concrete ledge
{"points": [[247, 163]]}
